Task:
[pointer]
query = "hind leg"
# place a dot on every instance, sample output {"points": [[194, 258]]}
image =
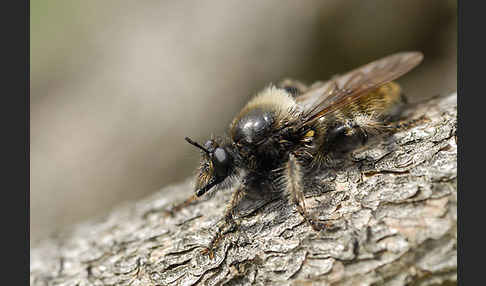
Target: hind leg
{"points": [[346, 135], [405, 124]]}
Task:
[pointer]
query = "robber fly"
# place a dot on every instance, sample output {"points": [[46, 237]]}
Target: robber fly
{"points": [[281, 131]]}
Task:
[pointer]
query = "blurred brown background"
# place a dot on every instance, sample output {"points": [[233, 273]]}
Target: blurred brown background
{"points": [[116, 85]]}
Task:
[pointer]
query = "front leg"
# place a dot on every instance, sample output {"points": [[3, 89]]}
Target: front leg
{"points": [[228, 222], [294, 186], [179, 206]]}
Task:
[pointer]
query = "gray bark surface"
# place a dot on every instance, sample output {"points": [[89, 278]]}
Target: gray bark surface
{"points": [[392, 208]]}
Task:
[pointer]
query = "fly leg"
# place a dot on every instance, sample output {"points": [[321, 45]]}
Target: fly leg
{"points": [[228, 222], [178, 206], [293, 87], [405, 124], [294, 186], [345, 136]]}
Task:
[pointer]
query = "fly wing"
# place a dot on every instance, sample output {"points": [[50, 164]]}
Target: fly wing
{"points": [[339, 92]]}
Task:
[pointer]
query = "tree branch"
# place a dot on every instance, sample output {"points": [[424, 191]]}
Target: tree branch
{"points": [[392, 207]]}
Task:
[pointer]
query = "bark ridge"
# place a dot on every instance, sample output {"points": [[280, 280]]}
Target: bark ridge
{"points": [[392, 206]]}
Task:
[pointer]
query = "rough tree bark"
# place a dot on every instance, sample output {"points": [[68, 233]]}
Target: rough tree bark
{"points": [[392, 206]]}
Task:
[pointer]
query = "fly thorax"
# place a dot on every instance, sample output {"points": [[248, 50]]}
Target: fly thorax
{"points": [[253, 128]]}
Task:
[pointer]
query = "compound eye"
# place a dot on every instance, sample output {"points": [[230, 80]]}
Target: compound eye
{"points": [[221, 161], [220, 156]]}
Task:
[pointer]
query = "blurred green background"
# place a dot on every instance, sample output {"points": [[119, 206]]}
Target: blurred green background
{"points": [[116, 85]]}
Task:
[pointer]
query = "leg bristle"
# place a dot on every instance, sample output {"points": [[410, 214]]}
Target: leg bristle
{"points": [[228, 222], [294, 187]]}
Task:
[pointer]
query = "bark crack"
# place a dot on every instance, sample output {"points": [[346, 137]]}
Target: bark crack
{"points": [[392, 206]]}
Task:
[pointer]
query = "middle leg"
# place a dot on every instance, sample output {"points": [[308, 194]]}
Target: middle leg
{"points": [[294, 186]]}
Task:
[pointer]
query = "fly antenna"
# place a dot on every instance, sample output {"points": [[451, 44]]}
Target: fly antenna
{"points": [[189, 140]]}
